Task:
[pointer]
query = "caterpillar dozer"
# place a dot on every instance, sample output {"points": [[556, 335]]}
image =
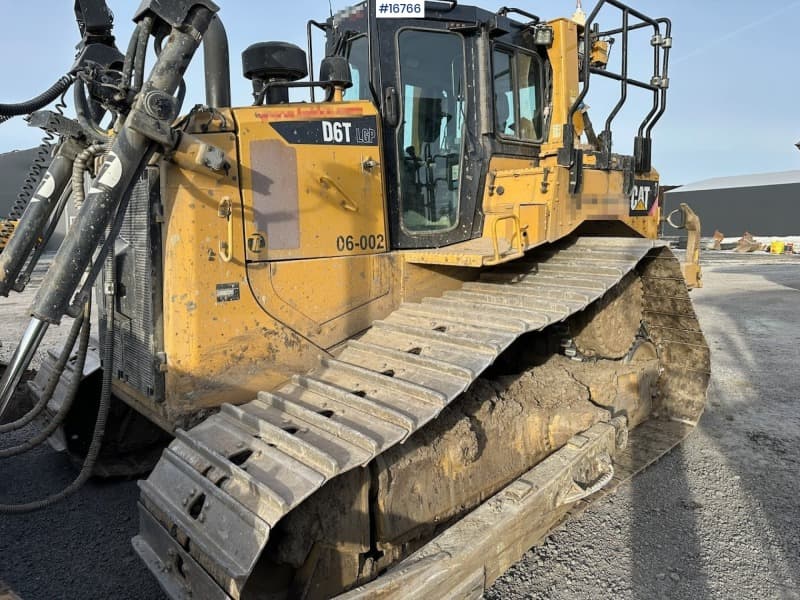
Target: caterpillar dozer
{"points": [[399, 330]]}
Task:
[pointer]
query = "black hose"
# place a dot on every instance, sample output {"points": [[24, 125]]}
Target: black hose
{"points": [[181, 96], [141, 54], [55, 422], [130, 56], [97, 436], [52, 382], [42, 100], [84, 115]]}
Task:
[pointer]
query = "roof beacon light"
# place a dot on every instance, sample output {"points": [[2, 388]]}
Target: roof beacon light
{"points": [[579, 16]]}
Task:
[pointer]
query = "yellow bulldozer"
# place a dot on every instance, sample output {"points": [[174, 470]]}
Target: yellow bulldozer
{"points": [[399, 329]]}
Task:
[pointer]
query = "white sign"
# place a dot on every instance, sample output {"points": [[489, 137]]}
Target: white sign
{"points": [[410, 9]]}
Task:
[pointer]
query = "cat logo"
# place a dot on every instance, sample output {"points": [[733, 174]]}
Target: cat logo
{"points": [[643, 198]]}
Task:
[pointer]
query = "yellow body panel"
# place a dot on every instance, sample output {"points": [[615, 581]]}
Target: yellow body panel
{"points": [[238, 321], [327, 299], [218, 348], [320, 200], [563, 55], [285, 256]]}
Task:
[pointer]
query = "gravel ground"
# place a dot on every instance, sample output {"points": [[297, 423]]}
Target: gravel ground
{"points": [[78, 548], [716, 518]]}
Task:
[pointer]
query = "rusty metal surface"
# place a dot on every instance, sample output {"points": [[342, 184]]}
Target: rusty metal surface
{"points": [[222, 486]]}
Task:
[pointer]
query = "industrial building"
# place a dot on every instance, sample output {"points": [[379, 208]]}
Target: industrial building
{"points": [[763, 204]]}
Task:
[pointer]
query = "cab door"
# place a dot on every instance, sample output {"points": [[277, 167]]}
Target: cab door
{"points": [[432, 150]]}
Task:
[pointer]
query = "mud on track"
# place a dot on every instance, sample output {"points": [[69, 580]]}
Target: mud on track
{"points": [[717, 518]]}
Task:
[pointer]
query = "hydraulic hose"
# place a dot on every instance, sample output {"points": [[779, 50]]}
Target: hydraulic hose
{"points": [[141, 54], [130, 57], [55, 422], [79, 168], [84, 115], [97, 436], [58, 369], [40, 101]]}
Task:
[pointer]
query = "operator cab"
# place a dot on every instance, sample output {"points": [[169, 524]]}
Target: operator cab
{"points": [[454, 89]]}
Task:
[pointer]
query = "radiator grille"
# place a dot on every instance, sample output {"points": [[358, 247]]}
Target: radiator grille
{"points": [[137, 317]]}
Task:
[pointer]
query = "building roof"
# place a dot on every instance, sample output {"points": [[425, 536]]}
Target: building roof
{"points": [[741, 181]]}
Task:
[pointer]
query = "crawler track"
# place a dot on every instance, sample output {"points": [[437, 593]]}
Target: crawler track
{"points": [[208, 507]]}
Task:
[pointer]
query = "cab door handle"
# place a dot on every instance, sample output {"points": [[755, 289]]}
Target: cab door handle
{"points": [[225, 211], [346, 202]]}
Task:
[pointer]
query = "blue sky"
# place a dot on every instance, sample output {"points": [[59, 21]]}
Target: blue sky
{"points": [[733, 104]]}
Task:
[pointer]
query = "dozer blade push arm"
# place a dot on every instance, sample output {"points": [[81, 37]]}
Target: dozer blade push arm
{"points": [[691, 223], [149, 119]]}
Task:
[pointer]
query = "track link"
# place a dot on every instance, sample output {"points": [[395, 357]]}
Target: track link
{"points": [[209, 505]]}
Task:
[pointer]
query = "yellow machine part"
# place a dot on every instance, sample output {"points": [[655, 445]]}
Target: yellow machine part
{"points": [[364, 365], [239, 315], [6, 231]]}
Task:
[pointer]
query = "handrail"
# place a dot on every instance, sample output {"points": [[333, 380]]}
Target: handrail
{"points": [[322, 27], [452, 3], [506, 10], [658, 84]]}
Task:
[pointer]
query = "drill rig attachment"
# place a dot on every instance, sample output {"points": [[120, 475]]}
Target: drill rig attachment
{"points": [[146, 125]]}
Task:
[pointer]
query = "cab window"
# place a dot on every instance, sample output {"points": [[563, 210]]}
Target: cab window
{"points": [[517, 94], [504, 105], [358, 57]]}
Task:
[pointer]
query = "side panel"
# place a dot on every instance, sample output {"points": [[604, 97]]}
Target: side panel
{"points": [[312, 190], [311, 181], [538, 198], [326, 300], [220, 344]]}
